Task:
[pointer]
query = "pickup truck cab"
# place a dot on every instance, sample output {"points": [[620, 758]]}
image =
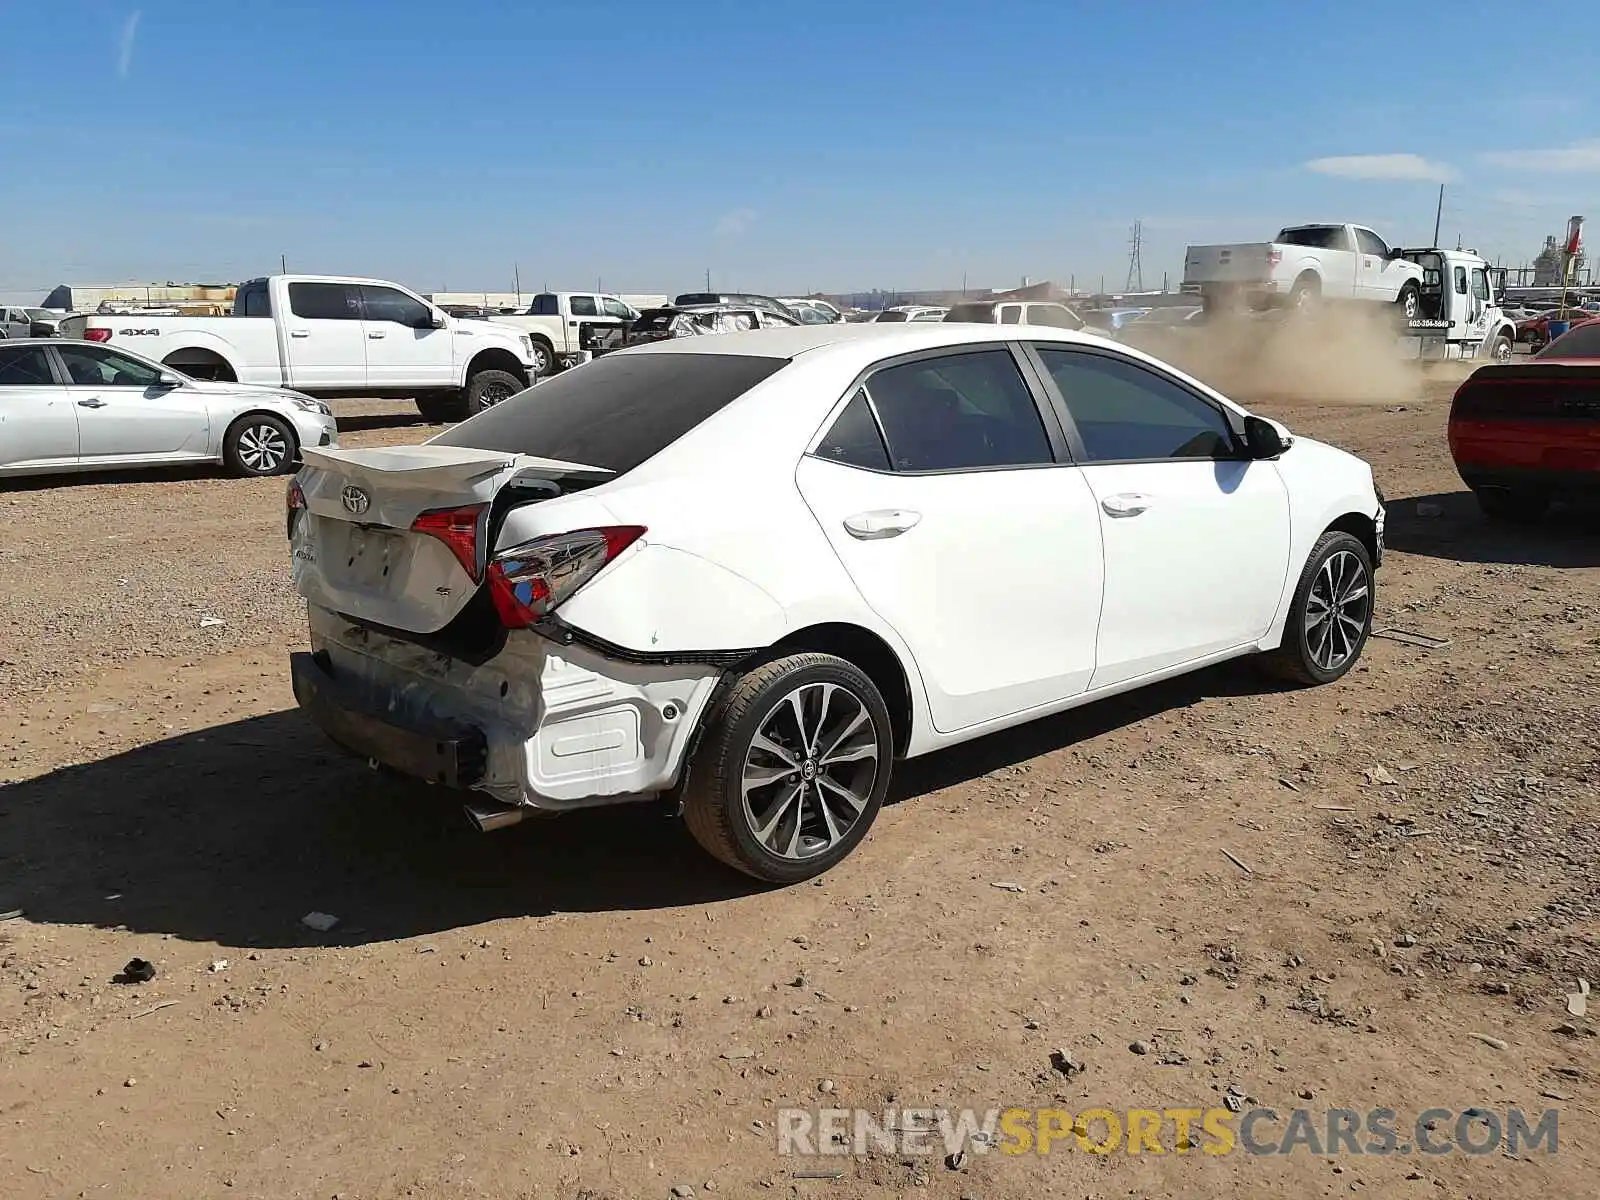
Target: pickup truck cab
{"points": [[567, 326], [330, 336], [1303, 266]]}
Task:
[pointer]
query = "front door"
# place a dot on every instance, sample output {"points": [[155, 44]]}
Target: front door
{"points": [[324, 337], [404, 350], [942, 494], [1196, 536], [38, 423], [125, 411]]}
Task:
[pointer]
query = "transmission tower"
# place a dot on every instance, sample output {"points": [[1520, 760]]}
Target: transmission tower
{"points": [[1135, 261]]}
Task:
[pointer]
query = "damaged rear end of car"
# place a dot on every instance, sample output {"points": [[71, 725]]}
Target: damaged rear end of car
{"points": [[433, 576]]}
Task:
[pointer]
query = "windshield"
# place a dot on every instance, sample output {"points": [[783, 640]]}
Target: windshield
{"points": [[616, 411], [1582, 342]]}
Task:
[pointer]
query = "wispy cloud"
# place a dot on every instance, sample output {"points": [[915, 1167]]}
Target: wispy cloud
{"points": [[1578, 158], [125, 44], [1403, 167], [736, 223]]}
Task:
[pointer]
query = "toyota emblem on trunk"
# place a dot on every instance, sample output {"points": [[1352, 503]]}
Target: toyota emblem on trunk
{"points": [[355, 500]]}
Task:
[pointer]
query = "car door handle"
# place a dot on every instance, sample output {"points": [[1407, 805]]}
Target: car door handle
{"points": [[94, 402], [299, 333], [880, 523], [1126, 504], [374, 333]]}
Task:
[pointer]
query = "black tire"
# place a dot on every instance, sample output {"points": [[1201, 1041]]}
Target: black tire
{"points": [[442, 409], [260, 444], [1511, 505], [1409, 302], [543, 359], [1297, 658], [714, 805], [1306, 294], [487, 388]]}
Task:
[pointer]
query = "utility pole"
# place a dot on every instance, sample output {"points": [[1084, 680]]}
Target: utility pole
{"points": [[516, 277], [283, 262], [708, 279], [1438, 215]]}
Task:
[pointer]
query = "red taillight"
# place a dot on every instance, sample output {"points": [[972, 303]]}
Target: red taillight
{"points": [[97, 335], [457, 528], [530, 581], [296, 498], [1274, 256], [295, 504]]}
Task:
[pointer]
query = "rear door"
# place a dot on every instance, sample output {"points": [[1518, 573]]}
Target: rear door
{"points": [[125, 411], [324, 336], [38, 423], [945, 491], [404, 349], [1196, 537]]}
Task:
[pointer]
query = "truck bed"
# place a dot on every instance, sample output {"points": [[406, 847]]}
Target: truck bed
{"points": [[249, 343]]}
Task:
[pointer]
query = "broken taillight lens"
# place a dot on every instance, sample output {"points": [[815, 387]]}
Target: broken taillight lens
{"points": [[295, 502], [459, 528], [530, 581], [97, 335]]}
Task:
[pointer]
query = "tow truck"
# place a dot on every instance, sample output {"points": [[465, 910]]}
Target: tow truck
{"points": [[1459, 313]]}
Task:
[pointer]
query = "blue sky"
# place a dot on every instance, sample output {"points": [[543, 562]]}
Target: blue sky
{"points": [[783, 144]]}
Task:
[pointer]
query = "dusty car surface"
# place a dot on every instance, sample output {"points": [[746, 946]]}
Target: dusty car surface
{"points": [[743, 573]]}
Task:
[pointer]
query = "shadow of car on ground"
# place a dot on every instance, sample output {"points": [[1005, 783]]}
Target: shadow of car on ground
{"points": [[1450, 525]]}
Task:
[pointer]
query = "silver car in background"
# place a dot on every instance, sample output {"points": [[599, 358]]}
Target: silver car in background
{"points": [[76, 406]]}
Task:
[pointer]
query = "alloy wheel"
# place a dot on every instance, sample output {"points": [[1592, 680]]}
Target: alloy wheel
{"points": [[810, 770], [262, 448], [1337, 609]]}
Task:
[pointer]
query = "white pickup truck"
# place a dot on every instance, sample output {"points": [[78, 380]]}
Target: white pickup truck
{"points": [[1302, 266], [330, 336], [565, 324]]}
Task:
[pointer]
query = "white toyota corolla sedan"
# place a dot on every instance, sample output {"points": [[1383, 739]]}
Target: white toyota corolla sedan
{"points": [[745, 574], [77, 406]]}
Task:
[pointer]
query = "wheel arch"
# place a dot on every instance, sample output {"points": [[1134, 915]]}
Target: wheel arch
{"points": [[868, 651], [206, 359], [1359, 526], [495, 358]]}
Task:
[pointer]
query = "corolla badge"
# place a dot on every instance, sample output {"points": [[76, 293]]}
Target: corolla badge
{"points": [[355, 500]]}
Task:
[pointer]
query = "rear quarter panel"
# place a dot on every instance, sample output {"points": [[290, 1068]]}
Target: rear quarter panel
{"points": [[248, 344]]}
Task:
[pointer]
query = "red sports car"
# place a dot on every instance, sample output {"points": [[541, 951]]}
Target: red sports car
{"points": [[1526, 433]]}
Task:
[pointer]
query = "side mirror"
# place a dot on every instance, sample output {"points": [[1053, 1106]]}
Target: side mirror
{"points": [[169, 380], [436, 320], [1264, 438]]}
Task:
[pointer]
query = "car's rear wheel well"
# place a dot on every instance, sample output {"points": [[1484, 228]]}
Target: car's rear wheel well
{"points": [[200, 363], [496, 360], [869, 652], [1361, 527]]}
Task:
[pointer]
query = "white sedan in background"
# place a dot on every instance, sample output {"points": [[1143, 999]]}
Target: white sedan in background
{"points": [[748, 573], [77, 406]]}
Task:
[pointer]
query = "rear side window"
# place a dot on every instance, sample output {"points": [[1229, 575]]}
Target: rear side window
{"points": [[959, 412], [982, 314], [616, 411], [24, 366], [324, 301], [854, 439]]}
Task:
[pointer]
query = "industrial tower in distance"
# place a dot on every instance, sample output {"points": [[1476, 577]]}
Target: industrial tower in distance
{"points": [[1135, 261]]}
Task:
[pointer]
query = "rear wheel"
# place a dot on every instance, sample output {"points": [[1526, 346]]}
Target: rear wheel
{"points": [[791, 769], [259, 444], [542, 359], [1409, 302], [1331, 616], [1512, 505], [1306, 294], [488, 388]]}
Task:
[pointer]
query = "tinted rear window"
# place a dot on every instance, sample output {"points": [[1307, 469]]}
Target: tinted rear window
{"points": [[689, 298], [1582, 342], [1318, 237], [617, 411]]}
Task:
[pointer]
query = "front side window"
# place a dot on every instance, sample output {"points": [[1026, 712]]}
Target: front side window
{"points": [[1125, 412], [854, 439], [616, 308], [25, 366], [94, 366], [959, 412], [1461, 281], [1054, 315], [1480, 284], [325, 301], [1371, 243], [584, 306], [1011, 314], [387, 304]]}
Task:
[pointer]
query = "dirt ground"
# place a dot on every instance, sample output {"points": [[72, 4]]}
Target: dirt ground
{"points": [[1372, 895]]}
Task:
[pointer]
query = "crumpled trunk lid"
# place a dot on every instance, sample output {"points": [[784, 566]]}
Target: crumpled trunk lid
{"points": [[356, 551]]}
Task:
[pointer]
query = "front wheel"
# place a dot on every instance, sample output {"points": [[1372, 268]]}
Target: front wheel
{"points": [[258, 444], [1331, 616], [1409, 302], [792, 768], [488, 388], [542, 360], [1503, 349]]}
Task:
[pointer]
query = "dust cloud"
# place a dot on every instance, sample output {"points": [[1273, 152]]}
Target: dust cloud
{"points": [[1336, 355]]}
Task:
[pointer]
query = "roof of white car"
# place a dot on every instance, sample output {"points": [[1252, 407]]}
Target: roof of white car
{"points": [[880, 338]]}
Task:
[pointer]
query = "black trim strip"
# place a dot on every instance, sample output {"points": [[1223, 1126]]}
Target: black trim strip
{"points": [[559, 632]]}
